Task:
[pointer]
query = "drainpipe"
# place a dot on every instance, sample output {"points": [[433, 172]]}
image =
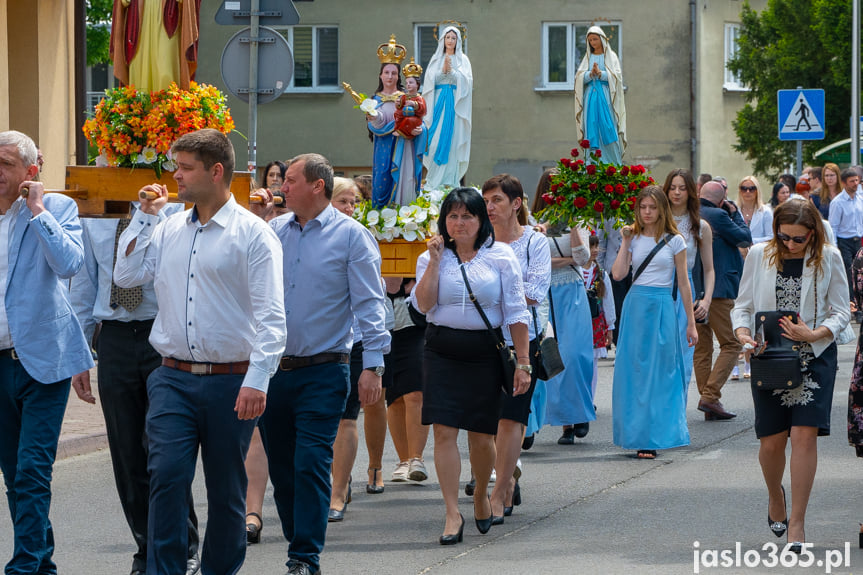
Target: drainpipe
{"points": [[693, 89]]}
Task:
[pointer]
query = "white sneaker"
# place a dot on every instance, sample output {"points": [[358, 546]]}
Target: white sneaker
{"points": [[735, 373], [400, 475], [417, 470], [493, 477]]}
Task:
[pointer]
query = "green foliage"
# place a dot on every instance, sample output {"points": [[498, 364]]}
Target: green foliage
{"points": [[98, 31], [791, 43]]}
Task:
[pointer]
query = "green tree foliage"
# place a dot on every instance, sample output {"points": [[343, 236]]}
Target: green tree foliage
{"points": [[791, 43], [98, 31]]}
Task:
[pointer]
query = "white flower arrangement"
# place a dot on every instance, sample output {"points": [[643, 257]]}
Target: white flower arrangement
{"points": [[416, 221], [369, 106]]}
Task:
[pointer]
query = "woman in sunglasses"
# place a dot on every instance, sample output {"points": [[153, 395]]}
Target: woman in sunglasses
{"points": [[757, 215], [798, 271]]}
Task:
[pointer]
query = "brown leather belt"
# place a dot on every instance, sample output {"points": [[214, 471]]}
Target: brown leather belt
{"points": [[236, 368], [289, 362]]}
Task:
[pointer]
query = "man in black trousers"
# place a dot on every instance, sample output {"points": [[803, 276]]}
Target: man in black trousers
{"points": [[126, 359]]}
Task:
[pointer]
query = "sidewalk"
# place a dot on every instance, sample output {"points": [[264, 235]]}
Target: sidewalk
{"points": [[83, 425]]}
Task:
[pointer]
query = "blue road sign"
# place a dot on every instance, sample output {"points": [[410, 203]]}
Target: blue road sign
{"points": [[801, 114]]}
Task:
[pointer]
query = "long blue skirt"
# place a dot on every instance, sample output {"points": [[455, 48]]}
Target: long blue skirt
{"points": [[569, 397], [648, 399]]}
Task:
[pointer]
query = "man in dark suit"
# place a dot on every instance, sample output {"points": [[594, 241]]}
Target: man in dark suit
{"points": [[730, 232]]}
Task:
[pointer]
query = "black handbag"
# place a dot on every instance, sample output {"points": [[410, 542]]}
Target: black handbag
{"points": [[507, 357], [778, 365], [698, 284], [548, 362]]}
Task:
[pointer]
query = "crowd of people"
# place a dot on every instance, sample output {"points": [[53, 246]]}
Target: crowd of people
{"points": [[259, 336]]}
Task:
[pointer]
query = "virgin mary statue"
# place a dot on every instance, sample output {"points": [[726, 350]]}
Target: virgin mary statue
{"points": [[448, 93], [600, 114]]}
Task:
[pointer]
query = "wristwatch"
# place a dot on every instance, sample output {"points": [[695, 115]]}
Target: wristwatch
{"points": [[525, 367], [379, 370]]}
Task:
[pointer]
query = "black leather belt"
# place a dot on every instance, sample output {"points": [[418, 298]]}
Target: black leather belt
{"points": [[290, 362], [9, 353]]}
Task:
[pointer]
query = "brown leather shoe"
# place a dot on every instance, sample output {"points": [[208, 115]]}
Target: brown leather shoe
{"points": [[714, 410]]}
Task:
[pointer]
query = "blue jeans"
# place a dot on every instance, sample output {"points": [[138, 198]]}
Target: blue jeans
{"points": [[31, 414], [304, 407], [187, 411]]}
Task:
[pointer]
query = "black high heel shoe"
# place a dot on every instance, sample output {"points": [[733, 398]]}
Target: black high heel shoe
{"points": [[253, 531], [483, 525], [373, 488], [455, 537], [778, 527]]}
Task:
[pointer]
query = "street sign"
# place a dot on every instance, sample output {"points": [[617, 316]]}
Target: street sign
{"points": [[801, 114], [271, 13], [275, 64]]}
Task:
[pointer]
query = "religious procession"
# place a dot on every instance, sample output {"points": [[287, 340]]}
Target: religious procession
{"points": [[253, 326]]}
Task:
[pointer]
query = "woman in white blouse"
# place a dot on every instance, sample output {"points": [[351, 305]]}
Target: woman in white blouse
{"points": [[649, 395], [504, 200], [463, 373]]}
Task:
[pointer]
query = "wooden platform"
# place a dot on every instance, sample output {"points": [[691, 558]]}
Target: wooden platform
{"points": [[400, 257], [107, 192]]}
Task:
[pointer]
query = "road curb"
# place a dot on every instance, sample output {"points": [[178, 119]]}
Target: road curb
{"points": [[81, 445]]}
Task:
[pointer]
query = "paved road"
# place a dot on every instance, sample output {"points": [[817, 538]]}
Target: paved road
{"points": [[588, 508]]}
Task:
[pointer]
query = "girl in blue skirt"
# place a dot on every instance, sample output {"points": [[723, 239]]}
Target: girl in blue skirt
{"points": [[649, 395]]}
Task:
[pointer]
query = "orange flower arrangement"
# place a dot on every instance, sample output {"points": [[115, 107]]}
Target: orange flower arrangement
{"points": [[136, 129]]}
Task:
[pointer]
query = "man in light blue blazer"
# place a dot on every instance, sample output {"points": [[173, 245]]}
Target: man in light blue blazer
{"points": [[41, 344]]}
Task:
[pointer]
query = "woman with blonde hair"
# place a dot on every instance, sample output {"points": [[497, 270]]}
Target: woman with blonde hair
{"points": [[757, 215], [344, 199], [799, 272], [649, 394], [831, 186]]}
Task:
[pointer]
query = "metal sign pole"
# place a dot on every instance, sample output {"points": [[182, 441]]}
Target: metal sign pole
{"points": [[855, 82], [798, 167], [253, 84]]}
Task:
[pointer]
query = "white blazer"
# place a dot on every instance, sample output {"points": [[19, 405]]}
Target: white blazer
{"points": [[761, 226], [758, 293]]}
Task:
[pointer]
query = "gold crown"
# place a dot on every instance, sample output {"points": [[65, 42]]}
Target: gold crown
{"points": [[391, 53], [412, 70]]}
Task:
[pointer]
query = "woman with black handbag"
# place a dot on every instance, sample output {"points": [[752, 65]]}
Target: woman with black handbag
{"points": [[801, 276], [468, 286], [504, 200]]}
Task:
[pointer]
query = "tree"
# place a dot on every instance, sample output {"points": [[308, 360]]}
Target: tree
{"points": [[791, 43], [99, 31]]}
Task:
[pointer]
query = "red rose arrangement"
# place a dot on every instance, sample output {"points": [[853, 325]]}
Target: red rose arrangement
{"points": [[588, 193]]}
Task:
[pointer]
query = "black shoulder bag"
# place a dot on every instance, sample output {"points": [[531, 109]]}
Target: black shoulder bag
{"points": [[776, 361], [507, 357], [548, 361]]}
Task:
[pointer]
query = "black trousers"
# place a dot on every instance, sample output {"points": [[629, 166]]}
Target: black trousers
{"points": [[126, 359], [848, 247]]}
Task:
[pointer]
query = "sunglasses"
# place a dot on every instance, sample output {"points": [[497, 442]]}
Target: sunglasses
{"points": [[796, 239], [748, 188]]}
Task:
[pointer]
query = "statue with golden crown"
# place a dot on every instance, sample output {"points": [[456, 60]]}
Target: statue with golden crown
{"points": [[399, 141]]}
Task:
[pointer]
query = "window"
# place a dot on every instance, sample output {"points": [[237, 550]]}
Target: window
{"points": [[425, 45], [732, 35], [316, 57], [563, 47]]}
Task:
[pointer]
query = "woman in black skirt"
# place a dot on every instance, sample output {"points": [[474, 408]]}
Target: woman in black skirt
{"points": [[463, 373], [799, 272]]}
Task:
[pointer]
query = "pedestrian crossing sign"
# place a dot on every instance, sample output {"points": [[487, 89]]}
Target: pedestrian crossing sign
{"points": [[801, 114]]}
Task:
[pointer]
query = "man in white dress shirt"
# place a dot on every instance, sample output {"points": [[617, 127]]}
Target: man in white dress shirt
{"points": [[846, 219], [126, 359], [220, 329]]}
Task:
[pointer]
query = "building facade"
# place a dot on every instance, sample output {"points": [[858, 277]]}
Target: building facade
{"points": [[524, 55]]}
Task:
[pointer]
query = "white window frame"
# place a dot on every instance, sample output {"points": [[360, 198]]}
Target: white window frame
{"points": [[314, 88], [571, 64], [731, 82]]}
